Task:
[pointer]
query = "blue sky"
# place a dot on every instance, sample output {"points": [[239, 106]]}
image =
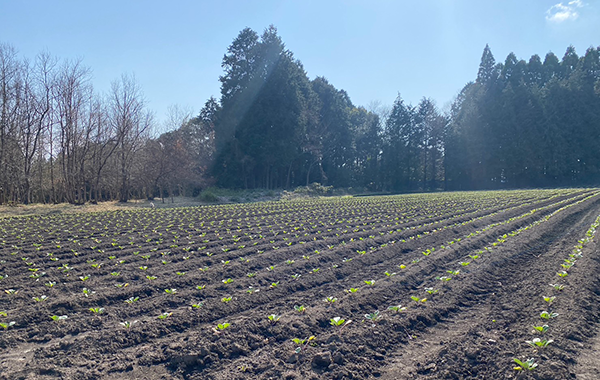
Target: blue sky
{"points": [[372, 49]]}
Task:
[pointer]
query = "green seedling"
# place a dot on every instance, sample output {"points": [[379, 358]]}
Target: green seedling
{"points": [[59, 317], [370, 282], [443, 278], [431, 290], [417, 299], [352, 290], [549, 299], [84, 278], [151, 277], [389, 274], [132, 300], [339, 322], [402, 266], [296, 276], [198, 305], [529, 364], [3, 314], [41, 298], [88, 292], [128, 324], [180, 273], [11, 292], [373, 317], [223, 326], [548, 315], [250, 275], [6, 325], [227, 281], [453, 272], [562, 273], [315, 270], [97, 310], [541, 329], [537, 342], [474, 257], [122, 285], [200, 287], [289, 262], [226, 299], [252, 290], [464, 263], [144, 267], [300, 308], [164, 315], [302, 343], [274, 284], [558, 287], [273, 318], [397, 308], [331, 300], [171, 291]]}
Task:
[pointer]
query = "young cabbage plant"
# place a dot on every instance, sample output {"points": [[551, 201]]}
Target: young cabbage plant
{"points": [[373, 317], [549, 299], [541, 329], [370, 282], [223, 326], [97, 310], [352, 290], [431, 290], [529, 364], [558, 287], [164, 315], [331, 300], [537, 342], [397, 308], [340, 323], [128, 324], [300, 308], [417, 299], [59, 317], [548, 315], [273, 318], [6, 325], [131, 300]]}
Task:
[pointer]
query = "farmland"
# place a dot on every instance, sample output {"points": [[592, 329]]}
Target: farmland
{"points": [[433, 286]]}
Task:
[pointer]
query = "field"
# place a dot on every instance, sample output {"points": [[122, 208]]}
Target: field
{"points": [[427, 286]]}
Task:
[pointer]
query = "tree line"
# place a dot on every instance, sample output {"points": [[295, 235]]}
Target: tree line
{"points": [[518, 124]]}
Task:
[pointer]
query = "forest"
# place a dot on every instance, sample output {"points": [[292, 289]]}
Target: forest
{"points": [[518, 124]]}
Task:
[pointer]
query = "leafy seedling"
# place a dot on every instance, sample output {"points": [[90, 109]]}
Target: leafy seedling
{"points": [[352, 290], [97, 310], [548, 315], [537, 342], [417, 299], [541, 329], [373, 317], [331, 300], [300, 308], [164, 315], [431, 290], [226, 299], [273, 318], [128, 324], [59, 317], [529, 364], [370, 282], [397, 308], [549, 299], [6, 325]]}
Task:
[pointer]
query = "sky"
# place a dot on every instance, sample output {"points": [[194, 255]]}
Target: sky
{"points": [[373, 49]]}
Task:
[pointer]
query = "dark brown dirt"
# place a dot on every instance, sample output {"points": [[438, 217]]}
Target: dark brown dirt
{"points": [[301, 253]]}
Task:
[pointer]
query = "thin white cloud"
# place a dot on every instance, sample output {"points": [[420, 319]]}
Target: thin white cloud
{"points": [[563, 12]]}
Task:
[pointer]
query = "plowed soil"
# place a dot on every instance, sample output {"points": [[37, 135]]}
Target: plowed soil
{"points": [[139, 294]]}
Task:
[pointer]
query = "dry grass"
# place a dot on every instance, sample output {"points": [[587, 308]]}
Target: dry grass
{"points": [[66, 208]]}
